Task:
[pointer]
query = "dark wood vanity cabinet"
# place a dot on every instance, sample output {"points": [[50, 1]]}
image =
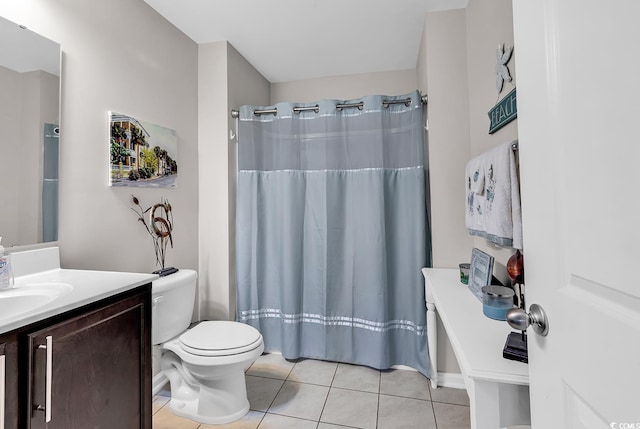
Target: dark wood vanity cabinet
{"points": [[88, 368], [9, 380]]}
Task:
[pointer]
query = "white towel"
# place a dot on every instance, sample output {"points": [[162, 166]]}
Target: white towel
{"points": [[494, 213], [476, 182]]}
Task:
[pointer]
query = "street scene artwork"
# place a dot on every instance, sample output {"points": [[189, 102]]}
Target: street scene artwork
{"points": [[142, 154]]}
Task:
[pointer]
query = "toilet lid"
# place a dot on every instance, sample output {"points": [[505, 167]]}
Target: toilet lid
{"points": [[220, 338]]}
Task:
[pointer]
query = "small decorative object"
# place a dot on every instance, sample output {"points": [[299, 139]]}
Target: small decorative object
{"points": [[142, 154], [515, 347], [505, 110], [481, 272], [464, 273], [515, 269], [503, 55], [159, 227], [496, 301]]}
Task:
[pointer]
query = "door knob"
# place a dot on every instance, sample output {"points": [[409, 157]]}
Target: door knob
{"points": [[519, 319]]}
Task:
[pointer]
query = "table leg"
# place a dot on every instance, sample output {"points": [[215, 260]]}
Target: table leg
{"points": [[495, 405], [432, 342], [485, 404]]}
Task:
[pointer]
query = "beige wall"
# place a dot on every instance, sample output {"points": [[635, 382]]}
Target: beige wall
{"points": [[29, 100], [442, 72], [489, 23], [445, 65], [132, 62], [226, 81], [457, 67], [345, 87], [213, 154]]}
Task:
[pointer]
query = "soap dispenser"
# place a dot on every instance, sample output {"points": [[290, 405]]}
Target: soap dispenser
{"points": [[6, 274]]}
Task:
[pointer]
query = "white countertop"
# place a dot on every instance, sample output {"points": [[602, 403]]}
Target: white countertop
{"points": [[476, 339], [81, 287], [87, 287]]}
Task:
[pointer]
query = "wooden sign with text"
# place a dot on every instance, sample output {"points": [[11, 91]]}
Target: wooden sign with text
{"points": [[505, 111]]}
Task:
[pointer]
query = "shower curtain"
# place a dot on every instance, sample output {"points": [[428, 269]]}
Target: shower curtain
{"points": [[331, 231], [50, 183]]}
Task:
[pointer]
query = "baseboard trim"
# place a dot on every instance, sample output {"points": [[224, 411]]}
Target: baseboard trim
{"points": [[158, 383], [451, 379]]}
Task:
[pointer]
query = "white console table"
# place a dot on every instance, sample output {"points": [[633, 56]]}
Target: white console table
{"points": [[498, 388]]}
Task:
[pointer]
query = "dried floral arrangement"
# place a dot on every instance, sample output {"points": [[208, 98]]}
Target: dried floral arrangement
{"points": [[159, 226]]}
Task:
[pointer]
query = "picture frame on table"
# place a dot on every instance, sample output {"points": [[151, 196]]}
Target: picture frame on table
{"points": [[481, 272]]}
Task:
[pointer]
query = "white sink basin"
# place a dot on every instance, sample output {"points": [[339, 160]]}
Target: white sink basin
{"points": [[26, 297]]}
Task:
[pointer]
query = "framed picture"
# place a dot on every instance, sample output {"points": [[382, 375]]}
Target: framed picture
{"points": [[481, 272], [142, 154]]}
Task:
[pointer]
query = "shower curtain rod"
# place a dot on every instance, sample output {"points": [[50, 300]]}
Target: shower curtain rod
{"points": [[315, 108]]}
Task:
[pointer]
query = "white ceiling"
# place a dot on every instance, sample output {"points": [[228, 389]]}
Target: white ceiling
{"points": [[288, 40]]}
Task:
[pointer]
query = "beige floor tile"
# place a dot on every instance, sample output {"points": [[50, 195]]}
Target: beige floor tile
{"points": [[405, 383], [297, 395], [451, 416], [395, 412], [262, 391], [250, 421], [351, 408], [357, 377], [448, 395], [164, 419], [271, 365], [159, 402], [300, 400], [274, 421], [322, 425], [313, 372]]}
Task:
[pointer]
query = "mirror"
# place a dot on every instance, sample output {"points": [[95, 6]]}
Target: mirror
{"points": [[29, 142]]}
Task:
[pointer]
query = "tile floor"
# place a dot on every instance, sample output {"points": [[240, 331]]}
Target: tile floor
{"points": [[311, 394]]}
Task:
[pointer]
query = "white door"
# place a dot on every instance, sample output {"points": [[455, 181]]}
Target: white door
{"points": [[578, 81]]}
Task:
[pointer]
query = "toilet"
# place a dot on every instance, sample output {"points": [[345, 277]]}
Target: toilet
{"points": [[205, 364]]}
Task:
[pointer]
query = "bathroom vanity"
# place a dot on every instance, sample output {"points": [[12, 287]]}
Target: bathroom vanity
{"points": [[80, 360]]}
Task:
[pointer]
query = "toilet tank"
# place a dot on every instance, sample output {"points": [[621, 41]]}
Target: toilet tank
{"points": [[173, 299]]}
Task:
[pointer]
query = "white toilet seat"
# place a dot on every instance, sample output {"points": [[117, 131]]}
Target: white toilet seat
{"points": [[220, 338]]}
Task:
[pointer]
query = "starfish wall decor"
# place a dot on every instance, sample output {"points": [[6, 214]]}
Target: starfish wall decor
{"points": [[502, 71]]}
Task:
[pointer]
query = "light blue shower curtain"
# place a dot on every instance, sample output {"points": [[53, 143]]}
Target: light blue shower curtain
{"points": [[331, 231]]}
